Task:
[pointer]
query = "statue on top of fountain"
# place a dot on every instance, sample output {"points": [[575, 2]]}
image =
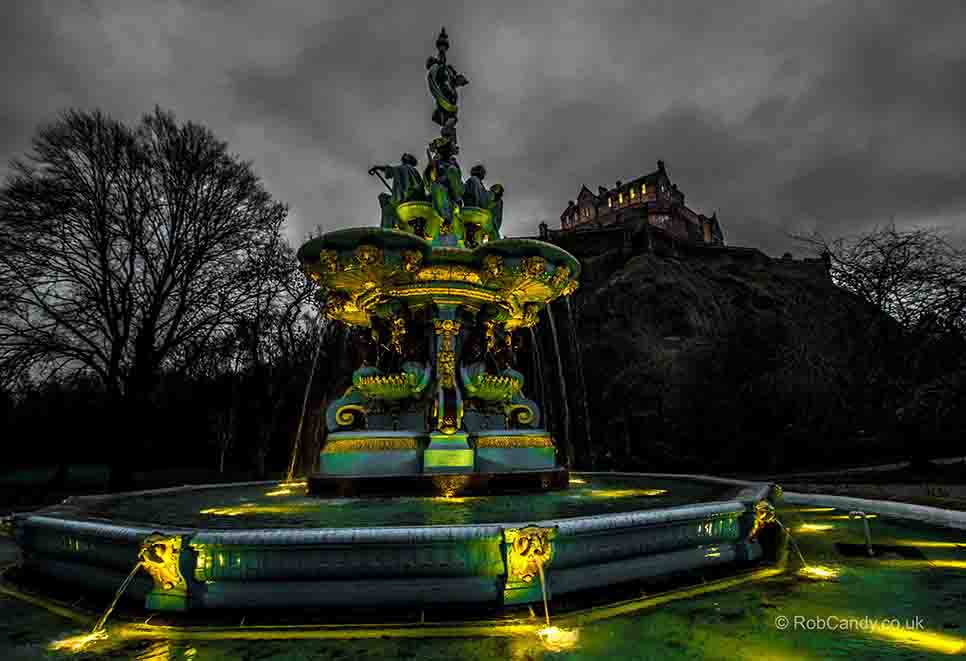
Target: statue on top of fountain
{"points": [[443, 82], [407, 186], [477, 195], [444, 182], [439, 206]]}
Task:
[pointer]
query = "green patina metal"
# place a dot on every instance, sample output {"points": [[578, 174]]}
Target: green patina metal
{"points": [[410, 383], [491, 387], [440, 295]]}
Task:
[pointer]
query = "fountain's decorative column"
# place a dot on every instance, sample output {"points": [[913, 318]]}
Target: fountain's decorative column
{"points": [[449, 450]]}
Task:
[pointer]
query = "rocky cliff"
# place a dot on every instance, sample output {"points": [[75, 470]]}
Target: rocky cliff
{"points": [[718, 361]]}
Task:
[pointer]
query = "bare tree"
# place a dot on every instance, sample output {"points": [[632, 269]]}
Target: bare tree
{"points": [[126, 251], [120, 247], [919, 279], [915, 276]]}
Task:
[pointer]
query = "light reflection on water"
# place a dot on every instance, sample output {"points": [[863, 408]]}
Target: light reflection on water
{"points": [[289, 507]]}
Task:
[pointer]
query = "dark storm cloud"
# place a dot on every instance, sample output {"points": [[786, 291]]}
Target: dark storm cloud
{"points": [[783, 117]]}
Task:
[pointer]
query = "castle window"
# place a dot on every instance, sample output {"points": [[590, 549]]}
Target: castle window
{"points": [[643, 190], [610, 203], [633, 192], [620, 198]]}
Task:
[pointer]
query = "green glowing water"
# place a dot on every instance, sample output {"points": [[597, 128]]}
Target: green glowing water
{"points": [[289, 507]]}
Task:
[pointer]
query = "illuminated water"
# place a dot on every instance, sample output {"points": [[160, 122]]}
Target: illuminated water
{"points": [[741, 623], [279, 506]]}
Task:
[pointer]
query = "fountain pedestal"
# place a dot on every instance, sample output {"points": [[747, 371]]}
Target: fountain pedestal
{"points": [[448, 453]]}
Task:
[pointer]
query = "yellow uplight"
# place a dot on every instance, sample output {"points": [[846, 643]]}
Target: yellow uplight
{"points": [[930, 545], [252, 508], [948, 564], [818, 573], [556, 639], [846, 517], [929, 640], [77, 644], [814, 527], [278, 492], [625, 493], [816, 509], [577, 480]]}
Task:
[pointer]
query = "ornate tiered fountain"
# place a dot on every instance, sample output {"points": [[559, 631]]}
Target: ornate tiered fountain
{"points": [[438, 418], [437, 406]]}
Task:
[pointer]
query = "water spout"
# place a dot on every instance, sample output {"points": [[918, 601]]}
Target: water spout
{"points": [[99, 627], [305, 398], [543, 589], [579, 364], [791, 540], [565, 432], [540, 383], [807, 571], [553, 638]]}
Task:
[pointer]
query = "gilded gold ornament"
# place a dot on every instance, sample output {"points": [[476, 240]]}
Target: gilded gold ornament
{"points": [[533, 266], [560, 276], [493, 266], [368, 255], [764, 515], [528, 551], [491, 327], [160, 556], [448, 273], [329, 259], [531, 315], [370, 444], [397, 334], [412, 260], [528, 441], [350, 414]]}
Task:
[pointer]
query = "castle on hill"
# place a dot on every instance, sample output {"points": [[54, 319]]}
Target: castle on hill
{"points": [[650, 198], [648, 214]]}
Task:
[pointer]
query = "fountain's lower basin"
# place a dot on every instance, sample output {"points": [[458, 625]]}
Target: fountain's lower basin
{"points": [[263, 545]]}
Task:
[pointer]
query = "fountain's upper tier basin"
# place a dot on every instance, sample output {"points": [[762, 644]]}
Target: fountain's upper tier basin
{"points": [[366, 269]]}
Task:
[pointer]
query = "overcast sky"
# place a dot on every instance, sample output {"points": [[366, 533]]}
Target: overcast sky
{"points": [[782, 116]]}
